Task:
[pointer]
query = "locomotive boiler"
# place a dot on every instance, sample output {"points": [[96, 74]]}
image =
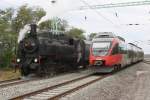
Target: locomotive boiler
{"points": [[45, 52]]}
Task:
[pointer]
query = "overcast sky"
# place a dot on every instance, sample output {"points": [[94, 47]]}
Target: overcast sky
{"points": [[99, 20]]}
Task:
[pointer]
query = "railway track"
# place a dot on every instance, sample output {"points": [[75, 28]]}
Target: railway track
{"points": [[57, 91], [10, 80], [147, 61], [15, 82]]}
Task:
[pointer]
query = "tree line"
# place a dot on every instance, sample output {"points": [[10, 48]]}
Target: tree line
{"points": [[12, 20]]}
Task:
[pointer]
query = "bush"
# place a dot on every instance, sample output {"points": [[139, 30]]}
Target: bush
{"points": [[6, 58]]}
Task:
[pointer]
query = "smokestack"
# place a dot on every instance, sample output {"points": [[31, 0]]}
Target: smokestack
{"points": [[33, 29]]}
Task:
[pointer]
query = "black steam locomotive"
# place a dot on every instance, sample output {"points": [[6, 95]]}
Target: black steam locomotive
{"points": [[45, 52]]}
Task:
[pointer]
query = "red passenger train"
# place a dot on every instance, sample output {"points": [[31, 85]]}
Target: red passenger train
{"points": [[109, 53]]}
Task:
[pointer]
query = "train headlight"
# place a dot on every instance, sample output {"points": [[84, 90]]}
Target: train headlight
{"points": [[98, 62], [18, 60], [35, 60]]}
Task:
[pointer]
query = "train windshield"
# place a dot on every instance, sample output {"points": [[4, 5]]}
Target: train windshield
{"points": [[100, 48]]}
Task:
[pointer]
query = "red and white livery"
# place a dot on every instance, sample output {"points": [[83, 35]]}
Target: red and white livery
{"points": [[109, 53]]}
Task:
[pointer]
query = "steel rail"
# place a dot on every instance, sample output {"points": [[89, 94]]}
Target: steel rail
{"points": [[34, 93], [15, 82], [10, 80], [76, 88]]}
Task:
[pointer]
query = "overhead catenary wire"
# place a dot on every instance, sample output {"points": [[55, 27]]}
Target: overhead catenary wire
{"points": [[95, 7], [101, 15], [111, 5], [90, 7]]}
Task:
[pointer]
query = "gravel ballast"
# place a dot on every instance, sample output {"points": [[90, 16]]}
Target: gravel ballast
{"points": [[16, 90], [132, 83]]}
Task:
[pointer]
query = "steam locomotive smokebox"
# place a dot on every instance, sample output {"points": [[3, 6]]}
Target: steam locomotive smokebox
{"points": [[33, 29]]}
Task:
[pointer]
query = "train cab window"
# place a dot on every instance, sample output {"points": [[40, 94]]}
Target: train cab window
{"points": [[115, 50], [100, 48]]}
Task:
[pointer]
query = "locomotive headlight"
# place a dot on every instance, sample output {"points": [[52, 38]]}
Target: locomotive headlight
{"points": [[18, 60], [35, 60]]}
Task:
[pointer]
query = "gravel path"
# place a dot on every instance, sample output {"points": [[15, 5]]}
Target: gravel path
{"points": [[132, 83], [12, 91]]}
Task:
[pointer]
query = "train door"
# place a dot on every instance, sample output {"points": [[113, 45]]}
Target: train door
{"points": [[123, 52]]}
